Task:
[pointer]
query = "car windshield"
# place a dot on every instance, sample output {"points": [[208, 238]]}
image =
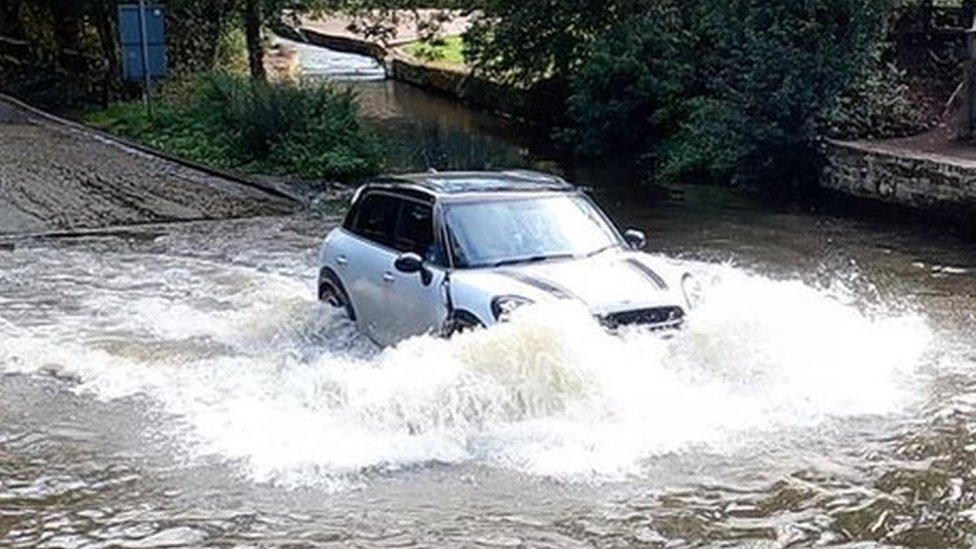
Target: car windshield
{"points": [[510, 231]]}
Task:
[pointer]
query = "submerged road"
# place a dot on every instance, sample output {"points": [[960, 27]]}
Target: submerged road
{"points": [[55, 177]]}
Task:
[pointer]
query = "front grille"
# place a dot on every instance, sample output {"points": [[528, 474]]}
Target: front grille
{"points": [[657, 317]]}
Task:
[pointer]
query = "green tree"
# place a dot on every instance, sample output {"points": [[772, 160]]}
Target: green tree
{"points": [[192, 26], [778, 67], [524, 42], [721, 90], [629, 92]]}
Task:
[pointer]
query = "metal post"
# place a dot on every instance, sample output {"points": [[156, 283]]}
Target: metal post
{"points": [[147, 81]]}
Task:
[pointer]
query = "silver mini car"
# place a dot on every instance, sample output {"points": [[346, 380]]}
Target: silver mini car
{"points": [[438, 253]]}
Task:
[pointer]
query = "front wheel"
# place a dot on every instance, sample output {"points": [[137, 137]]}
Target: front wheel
{"points": [[462, 322]]}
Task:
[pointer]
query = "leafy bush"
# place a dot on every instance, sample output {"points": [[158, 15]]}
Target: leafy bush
{"points": [[879, 104], [626, 98], [522, 42], [231, 122], [704, 90], [706, 147], [231, 55], [780, 66]]}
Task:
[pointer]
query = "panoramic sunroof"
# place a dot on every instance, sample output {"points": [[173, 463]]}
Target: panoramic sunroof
{"points": [[493, 182]]}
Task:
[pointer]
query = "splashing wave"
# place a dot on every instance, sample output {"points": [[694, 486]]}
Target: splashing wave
{"points": [[286, 388]]}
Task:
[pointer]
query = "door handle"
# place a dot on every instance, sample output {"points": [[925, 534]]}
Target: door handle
{"points": [[342, 261], [388, 277]]}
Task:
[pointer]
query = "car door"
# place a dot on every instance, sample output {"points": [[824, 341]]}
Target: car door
{"points": [[416, 306], [366, 269]]}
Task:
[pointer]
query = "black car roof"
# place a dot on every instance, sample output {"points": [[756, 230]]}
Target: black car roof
{"points": [[451, 183]]}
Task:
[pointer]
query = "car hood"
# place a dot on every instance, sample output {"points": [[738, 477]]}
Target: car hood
{"points": [[608, 282]]}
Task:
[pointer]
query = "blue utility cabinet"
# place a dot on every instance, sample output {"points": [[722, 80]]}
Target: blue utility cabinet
{"points": [[130, 32]]}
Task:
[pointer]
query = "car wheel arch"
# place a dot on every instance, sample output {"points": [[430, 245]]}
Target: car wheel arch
{"points": [[328, 277], [461, 320]]}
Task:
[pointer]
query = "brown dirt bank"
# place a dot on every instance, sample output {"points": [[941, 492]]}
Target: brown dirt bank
{"points": [[55, 177]]}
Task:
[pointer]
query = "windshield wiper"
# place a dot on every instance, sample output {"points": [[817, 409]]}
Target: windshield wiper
{"points": [[600, 250], [532, 259]]}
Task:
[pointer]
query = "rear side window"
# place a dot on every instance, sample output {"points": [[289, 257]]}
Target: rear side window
{"points": [[376, 219]]}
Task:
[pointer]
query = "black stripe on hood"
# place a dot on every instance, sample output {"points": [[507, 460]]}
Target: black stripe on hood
{"points": [[648, 273], [540, 283]]}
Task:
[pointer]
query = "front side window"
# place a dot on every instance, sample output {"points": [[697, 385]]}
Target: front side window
{"points": [[415, 232], [511, 231], [402, 224]]}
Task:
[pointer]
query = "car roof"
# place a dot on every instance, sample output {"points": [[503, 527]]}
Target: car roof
{"points": [[457, 183]]}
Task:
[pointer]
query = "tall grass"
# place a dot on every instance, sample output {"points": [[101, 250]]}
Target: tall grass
{"points": [[231, 122]]}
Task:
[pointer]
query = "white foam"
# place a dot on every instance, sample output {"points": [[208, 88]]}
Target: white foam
{"points": [[292, 395]]}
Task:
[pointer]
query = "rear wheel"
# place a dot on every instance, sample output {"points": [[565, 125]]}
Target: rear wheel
{"points": [[332, 292]]}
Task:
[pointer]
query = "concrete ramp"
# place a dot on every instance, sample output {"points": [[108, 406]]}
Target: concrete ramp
{"points": [[62, 177]]}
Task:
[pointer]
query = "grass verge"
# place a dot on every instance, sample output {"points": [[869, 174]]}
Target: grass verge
{"points": [[230, 122], [448, 50]]}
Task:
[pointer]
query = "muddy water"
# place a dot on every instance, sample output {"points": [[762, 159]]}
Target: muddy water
{"points": [[179, 385]]}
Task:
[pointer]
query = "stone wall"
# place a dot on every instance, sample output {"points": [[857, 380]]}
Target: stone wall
{"points": [[529, 106], [937, 184], [469, 89]]}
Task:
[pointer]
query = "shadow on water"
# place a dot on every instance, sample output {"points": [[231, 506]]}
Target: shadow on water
{"points": [[422, 130]]}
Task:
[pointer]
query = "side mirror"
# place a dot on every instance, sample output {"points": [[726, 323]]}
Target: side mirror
{"points": [[409, 263], [412, 263], [635, 239]]}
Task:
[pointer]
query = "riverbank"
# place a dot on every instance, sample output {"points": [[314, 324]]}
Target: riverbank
{"points": [[56, 176], [932, 172], [455, 81]]}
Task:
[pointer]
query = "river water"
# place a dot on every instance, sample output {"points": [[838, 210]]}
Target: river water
{"points": [[179, 385]]}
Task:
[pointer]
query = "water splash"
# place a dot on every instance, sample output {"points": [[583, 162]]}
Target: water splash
{"points": [[265, 378]]}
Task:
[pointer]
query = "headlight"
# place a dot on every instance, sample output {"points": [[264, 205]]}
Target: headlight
{"points": [[503, 306], [694, 294]]}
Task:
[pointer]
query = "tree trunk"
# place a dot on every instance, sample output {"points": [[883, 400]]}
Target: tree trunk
{"points": [[252, 32], [110, 51], [10, 19], [68, 32]]}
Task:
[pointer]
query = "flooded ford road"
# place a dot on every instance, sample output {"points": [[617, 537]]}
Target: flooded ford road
{"points": [[180, 385]]}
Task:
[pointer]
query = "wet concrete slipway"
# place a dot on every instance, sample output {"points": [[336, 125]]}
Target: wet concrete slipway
{"points": [[58, 177], [177, 383]]}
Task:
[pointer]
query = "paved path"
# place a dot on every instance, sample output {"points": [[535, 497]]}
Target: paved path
{"points": [[59, 178], [939, 144]]}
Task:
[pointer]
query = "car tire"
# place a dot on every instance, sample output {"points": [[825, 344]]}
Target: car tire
{"points": [[334, 293], [462, 322]]}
